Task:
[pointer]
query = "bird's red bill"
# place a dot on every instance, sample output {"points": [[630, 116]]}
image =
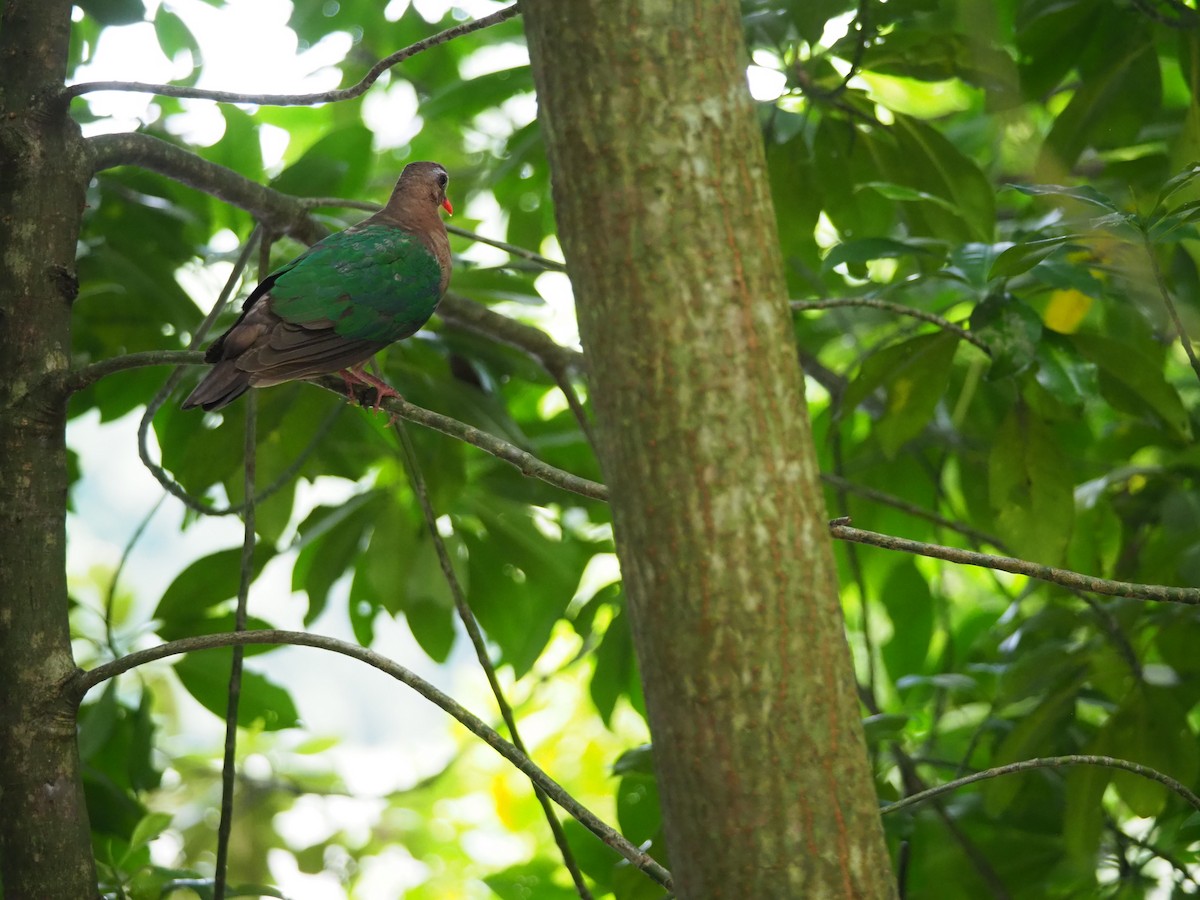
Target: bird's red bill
{"points": [[447, 207]]}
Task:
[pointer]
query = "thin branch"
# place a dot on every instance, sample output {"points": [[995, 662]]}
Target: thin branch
{"points": [[159, 473], [471, 624], [1049, 762], [458, 310], [896, 308], [72, 380], [511, 249], [81, 682], [1172, 311], [524, 461], [111, 596], [279, 213], [229, 763], [839, 529], [912, 509], [171, 90]]}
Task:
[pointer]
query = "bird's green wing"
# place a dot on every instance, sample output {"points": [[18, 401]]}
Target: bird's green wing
{"points": [[377, 283]]}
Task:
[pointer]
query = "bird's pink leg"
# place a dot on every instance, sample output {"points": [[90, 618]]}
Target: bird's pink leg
{"points": [[355, 375]]}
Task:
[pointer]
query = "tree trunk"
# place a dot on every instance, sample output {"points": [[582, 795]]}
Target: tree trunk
{"points": [[664, 214], [45, 845]]}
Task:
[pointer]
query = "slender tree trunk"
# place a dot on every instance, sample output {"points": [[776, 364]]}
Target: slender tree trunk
{"points": [[664, 213], [45, 845]]}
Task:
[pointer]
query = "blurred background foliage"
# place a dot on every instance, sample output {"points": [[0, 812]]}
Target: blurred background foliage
{"points": [[905, 141]]}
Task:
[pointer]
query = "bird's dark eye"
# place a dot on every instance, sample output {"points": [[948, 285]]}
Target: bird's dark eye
{"points": [[443, 180]]}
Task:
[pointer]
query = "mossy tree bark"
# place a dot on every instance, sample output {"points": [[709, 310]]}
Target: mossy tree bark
{"points": [[45, 846], [665, 217]]}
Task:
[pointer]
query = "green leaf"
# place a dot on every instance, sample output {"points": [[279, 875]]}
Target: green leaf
{"points": [[521, 579], [1134, 383], [1022, 257], [638, 810], [528, 881], [1036, 734], [1031, 488], [1084, 816], [866, 249], [206, 583], [1151, 729], [206, 677], [338, 165], [1011, 330], [174, 36], [884, 727], [910, 606], [909, 195], [149, 828], [1084, 194], [331, 540], [615, 667], [913, 376], [638, 760], [114, 12], [1064, 373]]}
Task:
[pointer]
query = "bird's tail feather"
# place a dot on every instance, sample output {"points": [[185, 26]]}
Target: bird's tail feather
{"points": [[220, 387]]}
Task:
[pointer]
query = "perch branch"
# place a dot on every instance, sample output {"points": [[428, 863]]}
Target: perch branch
{"points": [[841, 530], [172, 90], [524, 461], [81, 682]]}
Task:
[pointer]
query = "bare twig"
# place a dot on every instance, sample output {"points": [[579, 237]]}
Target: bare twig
{"points": [[81, 682], [229, 763], [1172, 311], [1049, 762], [111, 596], [172, 90], [898, 309], [843, 484], [471, 624], [1064, 577]]}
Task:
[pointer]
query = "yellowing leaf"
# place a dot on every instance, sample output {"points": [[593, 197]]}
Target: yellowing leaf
{"points": [[1066, 310], [502, 797]]}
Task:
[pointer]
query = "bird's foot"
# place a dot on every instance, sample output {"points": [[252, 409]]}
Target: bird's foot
{"points": [[383, 390]]}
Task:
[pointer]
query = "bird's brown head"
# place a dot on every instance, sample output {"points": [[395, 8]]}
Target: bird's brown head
{"points": [[423, 183]]}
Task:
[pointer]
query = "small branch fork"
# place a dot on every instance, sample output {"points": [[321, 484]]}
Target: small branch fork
{"points": [[81, 682], [171, 90]]}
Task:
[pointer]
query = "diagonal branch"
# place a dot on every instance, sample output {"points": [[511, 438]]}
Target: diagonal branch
{"points": [[80, 682], [897, 308], [471, 624], [1165, 292], [279, 213], [172, 90], [1049, 762], [840, 529]]}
